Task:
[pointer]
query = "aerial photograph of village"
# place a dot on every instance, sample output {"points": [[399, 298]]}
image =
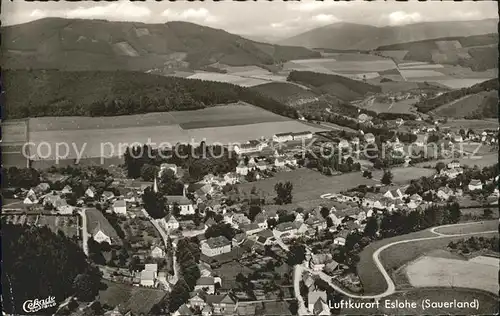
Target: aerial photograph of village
{"points": [[260, 158]]}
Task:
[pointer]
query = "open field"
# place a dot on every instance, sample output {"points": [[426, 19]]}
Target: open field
{"points": [[469, 228], [484, 161], [353, 63], [465, 106], [109, 136], [443, 272], [488, 303], [14, 131], [130, 298], [233, 79], [403, 106], [396, 256], [402, 175], [458, 83], [238, 113], [309, 184], [472, 124]]}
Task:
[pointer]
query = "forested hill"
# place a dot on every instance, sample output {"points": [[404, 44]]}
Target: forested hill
{"points": [[487, 107], [345, 89], [98, 93], [79, 44]]}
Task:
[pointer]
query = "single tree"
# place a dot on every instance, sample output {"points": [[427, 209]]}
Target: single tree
{"points": [[387, 177]]}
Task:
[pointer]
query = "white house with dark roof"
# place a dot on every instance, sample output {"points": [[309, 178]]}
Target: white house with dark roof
{"points": [[421, 140], [241, 168], [185, 205], [302, 135], [394, 194], [369, 138], [475, 185], [282, 137], [157, 252], [120, 207], [149, 275], [206, 284], [215, 246]]}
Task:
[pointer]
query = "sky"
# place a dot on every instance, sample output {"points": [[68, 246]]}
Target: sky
{"points": [[277, 19]]}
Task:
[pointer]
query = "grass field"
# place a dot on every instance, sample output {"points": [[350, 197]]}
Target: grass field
{"points": [[396, 256], [233, 79], [443, 272], [484, 161], [309, 184], [464, 106], [476, 125], [403, 106], [402, 175], [488, 303], [470, 228], [130, 298], [67, 224], [109, 136], [14, 131], [352, 63]]}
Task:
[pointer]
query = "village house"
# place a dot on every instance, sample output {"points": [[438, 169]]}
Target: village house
{"points": [[215, 246], [290, 229], [100, 236], [362, 118], [266, 237], [458, 138], [454, 164], [355, 141], [394, 194], [207, 311], [149, 275], [475, 185], [185, 205], [261, 220], [67, 190], [170, 222], [316, 221], [240, 219], [120, 207], [206, 284], [444, 193], [225, 305], [302, 135], [250, 229], [197, 299], [90, 192], [451, 173], [157, 252], [282, 137], [421, 140], [319, 261], [399, 121], [317, 302], [231, 178], [248, 148], [343, 144], [107, 195], [241, 169], [369, 138], [279, 162], [183, 311]]}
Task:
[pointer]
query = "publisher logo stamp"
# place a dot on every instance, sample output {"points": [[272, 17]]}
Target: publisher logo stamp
{"points": [[33, 306]]}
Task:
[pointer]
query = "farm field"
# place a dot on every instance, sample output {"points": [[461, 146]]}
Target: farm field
{"points": [[130, 298], [233, 79], [472, 124], [442, 272], [485, 161], [403, 106], [470, 228], [353, 63], [109, 136], [15, 131]]}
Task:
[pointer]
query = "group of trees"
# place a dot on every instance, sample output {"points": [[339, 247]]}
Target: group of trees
{"points": [[283, 193], [132, 93], [143, 161], [473, 244], [20, 177], [37, 263], [428, 104], [188, 256]]}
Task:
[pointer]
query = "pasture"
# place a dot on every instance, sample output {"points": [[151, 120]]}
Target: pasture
{"points": [[109, 136], [139, 300], [403, 106], [14, 131], [233, 79], [470, 228], [465, 106], [396, 256], [403, 175], [444, 272], [488, 303], [484, 161], [458, 83], [476, 125]]}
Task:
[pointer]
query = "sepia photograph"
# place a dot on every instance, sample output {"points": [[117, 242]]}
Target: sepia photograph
{"points": [[241, 158]]}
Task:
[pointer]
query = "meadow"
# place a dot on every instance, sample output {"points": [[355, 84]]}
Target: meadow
{"points": [[470, 228], [476, 125], [139, 300], [444, 272], [242, 81], [396, 256], [109, 136]]}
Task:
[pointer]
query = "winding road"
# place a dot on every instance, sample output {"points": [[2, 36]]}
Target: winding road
{"points": [[391, 287]]}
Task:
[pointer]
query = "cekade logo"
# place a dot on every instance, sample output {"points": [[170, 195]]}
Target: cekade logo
{"points": [[33, 306]]}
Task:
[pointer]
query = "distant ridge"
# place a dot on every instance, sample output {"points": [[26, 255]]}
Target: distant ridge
{"points": [[344, 36]]}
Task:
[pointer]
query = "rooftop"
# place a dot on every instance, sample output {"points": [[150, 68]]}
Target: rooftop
{"points": [[217, 242]]}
